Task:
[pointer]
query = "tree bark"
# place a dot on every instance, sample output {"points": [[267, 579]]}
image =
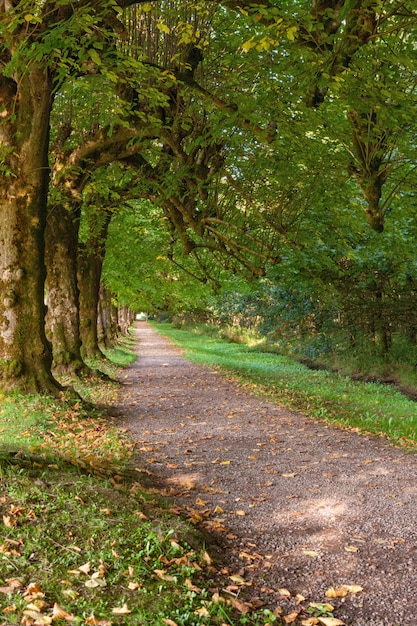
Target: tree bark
{"points": [[63, 318], [25, 354], [90, 264]]}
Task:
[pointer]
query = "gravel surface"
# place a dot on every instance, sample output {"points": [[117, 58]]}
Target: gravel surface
{"points": [[293, 503]]}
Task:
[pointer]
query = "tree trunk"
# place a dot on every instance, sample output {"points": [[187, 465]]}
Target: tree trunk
{"points": [[107, 319], [90, 264], [25, 354], [125, 319], [89, 273], [63, 318]]}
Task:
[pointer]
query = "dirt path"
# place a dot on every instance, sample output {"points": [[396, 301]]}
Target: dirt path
{"points": [[295, 504]]}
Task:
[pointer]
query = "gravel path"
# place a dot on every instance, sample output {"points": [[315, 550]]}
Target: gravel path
{"points": [[295, 504]]}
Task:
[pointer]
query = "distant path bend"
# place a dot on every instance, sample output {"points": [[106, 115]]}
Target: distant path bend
{"points": [[297, 504]]}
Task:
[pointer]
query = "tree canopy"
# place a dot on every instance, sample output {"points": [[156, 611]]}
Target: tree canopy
{"points": [[176, 145]]}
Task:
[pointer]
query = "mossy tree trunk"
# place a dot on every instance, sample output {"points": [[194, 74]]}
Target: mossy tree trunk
{"points": [[25, 354], [63, 318], [90, 264]]}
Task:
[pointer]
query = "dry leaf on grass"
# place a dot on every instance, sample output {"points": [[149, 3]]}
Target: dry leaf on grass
{"points": [[121, 610]]}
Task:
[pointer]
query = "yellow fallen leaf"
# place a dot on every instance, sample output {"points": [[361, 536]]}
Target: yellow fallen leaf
{"points": [[40, 619], [37, 605], [242, 607], [311, 621], [92, 583], [141, 515], [225, 462], [291, 617], [331, 621], [33, 590], [10, 609], [240, 512], [239, 580], [203, 612], [15, 583], [284, 592], [218, 510], [191, 587], [207, 558], [311, 553], [200, 502], [59, 613], [342, 591], [169, 622], [85, 568], [121, 610], [134, 586], [161, 573], [292, 475], [351, 549]]}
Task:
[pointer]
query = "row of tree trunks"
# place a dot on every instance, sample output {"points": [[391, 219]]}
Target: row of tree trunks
{"points": [[78, 320]]}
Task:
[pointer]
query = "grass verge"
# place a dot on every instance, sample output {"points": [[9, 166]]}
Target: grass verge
{"points": [[371, 407], [82, 540]]}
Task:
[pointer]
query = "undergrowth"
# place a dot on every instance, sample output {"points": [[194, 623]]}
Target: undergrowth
{"points": [[82, 540], [372, 407]]}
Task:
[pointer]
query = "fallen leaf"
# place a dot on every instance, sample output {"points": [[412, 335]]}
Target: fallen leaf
{"points": [[161, 573], [242, 607], [311, 553], [292, 475], [203, 612], [141, 515], [169, 622], [291, 617], [351, 549], [132, 586], [239, 580], [284, 592], [85, 569], [191, 587], [342, 591], [331, 621], [207, 558], [92, 583], [59, 613], [10, 609], [121, 610], [311, 621]]}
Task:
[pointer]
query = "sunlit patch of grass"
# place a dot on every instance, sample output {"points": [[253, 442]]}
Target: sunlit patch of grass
{"points": [[372, 407]]}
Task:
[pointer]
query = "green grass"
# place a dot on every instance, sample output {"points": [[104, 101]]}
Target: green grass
{"points": [[81, 539], [370, 407]]}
